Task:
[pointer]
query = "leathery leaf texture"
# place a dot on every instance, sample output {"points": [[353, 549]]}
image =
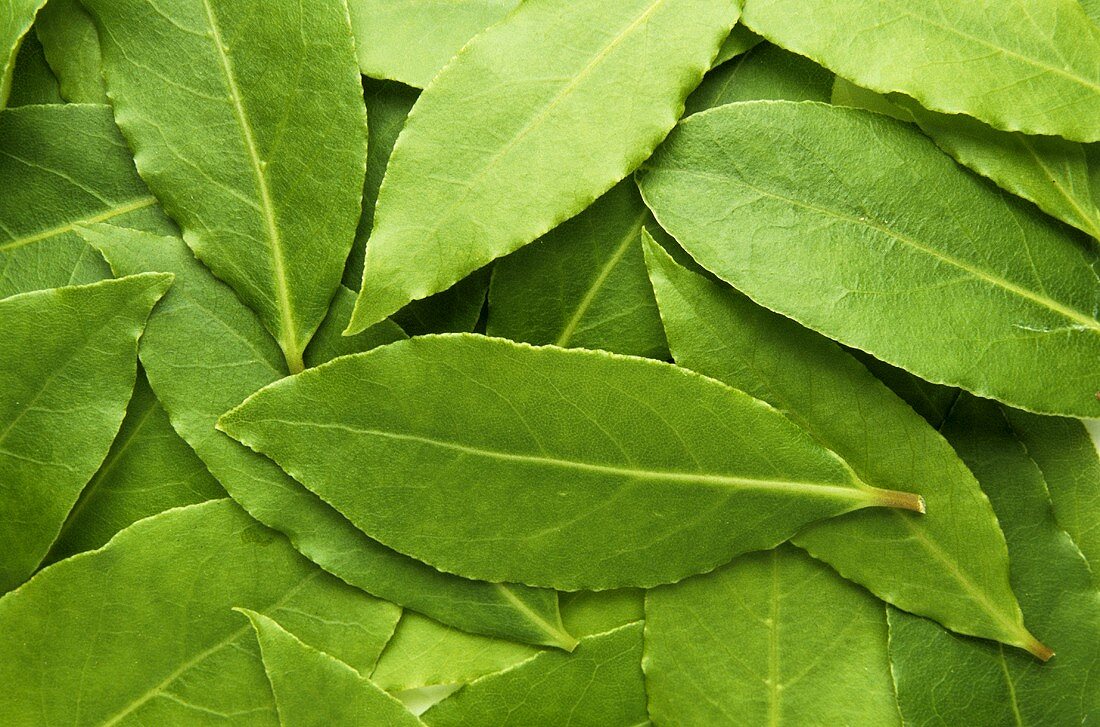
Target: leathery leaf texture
{"points": [[857, 226], [231, 140], [569, 469], [581, 94]]}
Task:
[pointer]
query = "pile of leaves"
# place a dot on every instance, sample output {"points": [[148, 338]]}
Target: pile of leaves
{"points": [[487, 362]]}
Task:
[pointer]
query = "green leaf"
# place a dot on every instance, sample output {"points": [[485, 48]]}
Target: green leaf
{"points": [[410, 42], [142, 631], [61, 166], [586, 613], [740, 40], [1070, 464], [330, 343], [773, 638], [581, 94], [943, 679], [600, 683], [233, 107], [633, 472], [16, 17], [455, 310], [951, 564], [765, 72], [583, 284], [313, 688], [204, 352], [32, 81], [71, 44], [1019, 65], [809, 209], [149, 469], [67, 364], [388, 105], [931, 401]]}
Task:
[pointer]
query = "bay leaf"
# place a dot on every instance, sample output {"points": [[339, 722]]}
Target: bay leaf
{"points": [[142, 631], [149, 469], [204, 352], [599, 684], [61, 166], [739, 194], [314, 688], [583, 284], [958, 58], [229, 141], [71, 44], [765, 72], [740, 40], [410, 42], [330, 343], [563, 468], [62, 406], [455, 310], [944, 679], [32, 80], [932, 401], [951, 564], [16, 17], [773, 638], [1068, 459], [581, 94]]}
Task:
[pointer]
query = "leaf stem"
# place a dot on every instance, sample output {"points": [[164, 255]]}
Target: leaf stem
{"points": [[898, 499]]}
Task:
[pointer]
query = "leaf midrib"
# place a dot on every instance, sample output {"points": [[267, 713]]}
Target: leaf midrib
{"points": [[116, 211], [855, 493], [1079, 318], [287, 324]]}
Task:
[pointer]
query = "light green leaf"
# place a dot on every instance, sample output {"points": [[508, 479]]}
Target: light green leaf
{"points": [[142, 631], [581, 94], [739, 41], [586, 613], [410, 41], [67, 364], [232, 107], [313, 688], [1092, 9], [1070, 463], [71, 44], [61, 166], [204, 352], [149, 469], [846, 93], [931, 401], [32, 80], [633, 472], [773, 638], [765, 72], [951, 564], [600, 684], [1019, 65], [388, 105], [583, 284], [16, 17], [809, 209], [943, 679]]}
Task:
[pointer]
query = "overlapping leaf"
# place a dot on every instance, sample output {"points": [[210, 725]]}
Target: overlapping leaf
{"points": [[71, 45], [16, 17]]}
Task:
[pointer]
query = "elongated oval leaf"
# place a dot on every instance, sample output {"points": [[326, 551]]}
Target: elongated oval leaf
{"points": [[156, 622], [1020, 65], [582, 93], [204, 352], [312, 688], [410, 41], [934, 565], [71, 45], [61, 166], [569, 469], [16, 17], [583, 284], [230, 127], [149, 469], [943, 679], [61, 407], [857, 226], [773, 638]]}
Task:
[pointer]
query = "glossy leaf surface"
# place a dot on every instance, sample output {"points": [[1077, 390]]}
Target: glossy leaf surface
{"points": [[582, 93], [737, 191], [61, 407], [231, 139], [773, 638], [205, 352], [1020, 65], [633, 472]]}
